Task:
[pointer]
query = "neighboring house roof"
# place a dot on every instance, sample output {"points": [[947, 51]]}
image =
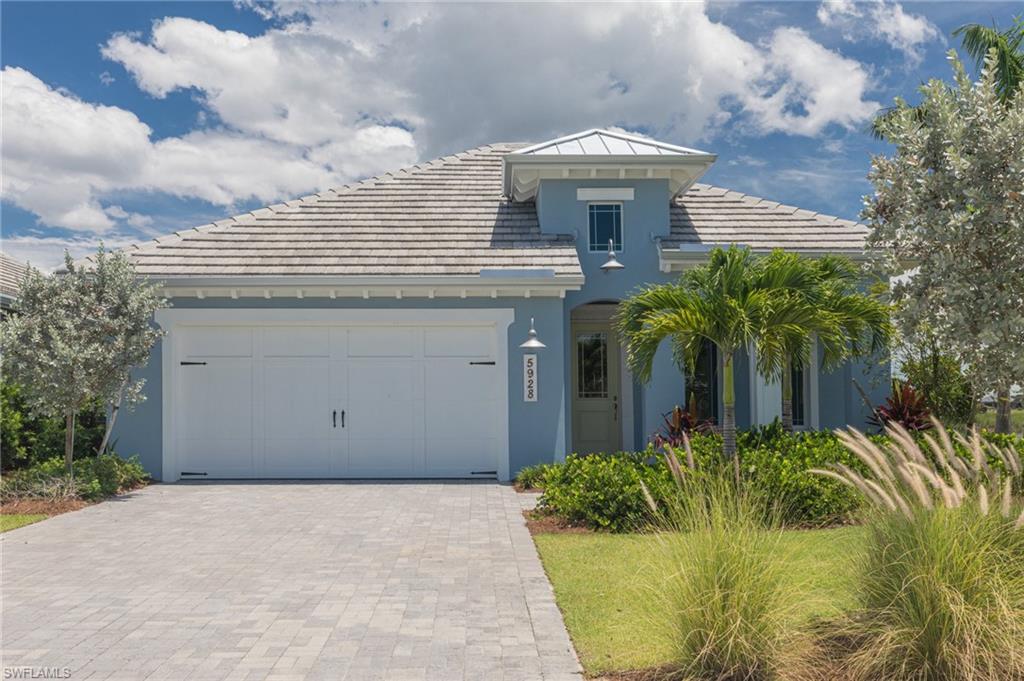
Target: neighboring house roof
{"points": [[12, 273], [449, 219]]}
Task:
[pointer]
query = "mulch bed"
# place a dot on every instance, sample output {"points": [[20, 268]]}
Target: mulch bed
{"points": [[42, 506], [653, 674], [545, 523], [50, 508]]}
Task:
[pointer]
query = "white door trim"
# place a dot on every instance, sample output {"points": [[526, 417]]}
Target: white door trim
{"points": [[172, 320]]}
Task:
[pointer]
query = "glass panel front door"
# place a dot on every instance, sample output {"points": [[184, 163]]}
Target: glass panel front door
{"points": [[597, 424]]}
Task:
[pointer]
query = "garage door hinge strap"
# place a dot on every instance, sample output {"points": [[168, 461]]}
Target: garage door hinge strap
{"points": [[192, 364], [482, 363]]}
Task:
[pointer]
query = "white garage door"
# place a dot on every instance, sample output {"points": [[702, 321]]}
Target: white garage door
{"points": [[337, 401]]}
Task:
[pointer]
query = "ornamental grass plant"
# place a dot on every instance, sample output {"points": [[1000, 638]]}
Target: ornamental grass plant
{"points": [[940, 586], [727, 607]]}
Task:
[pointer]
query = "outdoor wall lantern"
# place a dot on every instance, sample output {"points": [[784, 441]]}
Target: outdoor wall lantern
{"points": [[612, 263], [532, 342]]}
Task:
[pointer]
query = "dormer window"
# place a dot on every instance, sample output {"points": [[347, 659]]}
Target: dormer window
{"points": [[605, 225]]}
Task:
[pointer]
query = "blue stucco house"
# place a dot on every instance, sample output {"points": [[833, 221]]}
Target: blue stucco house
{"points": [[375, 330]]}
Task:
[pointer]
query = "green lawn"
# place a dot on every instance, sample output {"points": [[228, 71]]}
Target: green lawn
{"points": [[10, 522], [605, 586], [988, 420]]}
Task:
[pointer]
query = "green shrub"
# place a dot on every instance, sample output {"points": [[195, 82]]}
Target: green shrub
{"points": [[947, 392], [779, 469], [728, 607], [28, 440], [532, 477], [603, 491], [94, 478]]}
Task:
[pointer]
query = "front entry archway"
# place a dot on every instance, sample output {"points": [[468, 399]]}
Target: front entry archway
{"points": [[598, 405]]}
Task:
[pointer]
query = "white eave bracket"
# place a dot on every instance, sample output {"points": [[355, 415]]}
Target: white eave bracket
{"points": [[490, 284]]}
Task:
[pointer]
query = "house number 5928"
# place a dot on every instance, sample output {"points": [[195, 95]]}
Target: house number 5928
{"points": [[529, 378]]}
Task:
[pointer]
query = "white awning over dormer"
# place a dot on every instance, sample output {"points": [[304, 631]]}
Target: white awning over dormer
{"points": [[602, 154]]}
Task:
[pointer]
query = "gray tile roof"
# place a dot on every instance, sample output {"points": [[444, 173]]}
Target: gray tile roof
{"points": [[445, 217], [12, 273], [448, 217], [707, 215]]}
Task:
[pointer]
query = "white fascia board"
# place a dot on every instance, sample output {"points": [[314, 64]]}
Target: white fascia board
{"points": [[511, 284], [699, 162]]}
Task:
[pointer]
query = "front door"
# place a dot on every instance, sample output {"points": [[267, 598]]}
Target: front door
{"points": [[596, 398]]}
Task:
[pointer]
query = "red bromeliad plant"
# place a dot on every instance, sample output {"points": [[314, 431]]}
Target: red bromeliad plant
{"points": [[679, 423], [906, 407]]}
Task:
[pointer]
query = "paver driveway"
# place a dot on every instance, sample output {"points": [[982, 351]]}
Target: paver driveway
{"points": [[285, 581]]}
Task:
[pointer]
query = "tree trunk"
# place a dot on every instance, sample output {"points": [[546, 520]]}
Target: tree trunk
{"points": [[787, 395], [69, 441], [1003, 410], [729, 415], [111, 420]]}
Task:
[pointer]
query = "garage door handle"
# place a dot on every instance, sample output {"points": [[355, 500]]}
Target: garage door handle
{"points": [[334, 419], [342, 418]]}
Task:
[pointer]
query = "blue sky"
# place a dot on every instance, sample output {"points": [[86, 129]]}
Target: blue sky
{"points": [[123, 121]]}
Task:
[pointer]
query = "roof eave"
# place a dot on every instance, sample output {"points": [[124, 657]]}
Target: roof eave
{"points": [[688, 255], [700, 162], [491, 284]]}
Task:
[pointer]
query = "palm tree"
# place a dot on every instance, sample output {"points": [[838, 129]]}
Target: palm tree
{"points": [[846, 322], [727, 301], [978, 41]]}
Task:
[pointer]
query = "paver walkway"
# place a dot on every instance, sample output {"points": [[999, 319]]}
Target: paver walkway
{"points": [[285, 581]]}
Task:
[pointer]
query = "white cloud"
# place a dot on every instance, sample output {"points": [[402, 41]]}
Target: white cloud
{"points": [[462, 74], [340, 91], [62, 156], [46, 253], [881, 20]]}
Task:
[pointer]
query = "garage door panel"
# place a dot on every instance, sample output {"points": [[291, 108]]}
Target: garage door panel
{"points": [[459, 379], [373, 382], [382, 342], [216, 417], [297, 418], [382, 457], [302, 341], [297, 458], [217, 457], [217, 398], [458, 341], [461, 456], [459, 419], [341, 401], [217, 341], [296, 398]]}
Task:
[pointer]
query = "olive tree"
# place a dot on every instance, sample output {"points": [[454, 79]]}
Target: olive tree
{"points": [[77, 336], [949, 206]]}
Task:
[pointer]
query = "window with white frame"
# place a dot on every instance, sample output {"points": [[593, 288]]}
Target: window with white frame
{"points": [[605, 222]]}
